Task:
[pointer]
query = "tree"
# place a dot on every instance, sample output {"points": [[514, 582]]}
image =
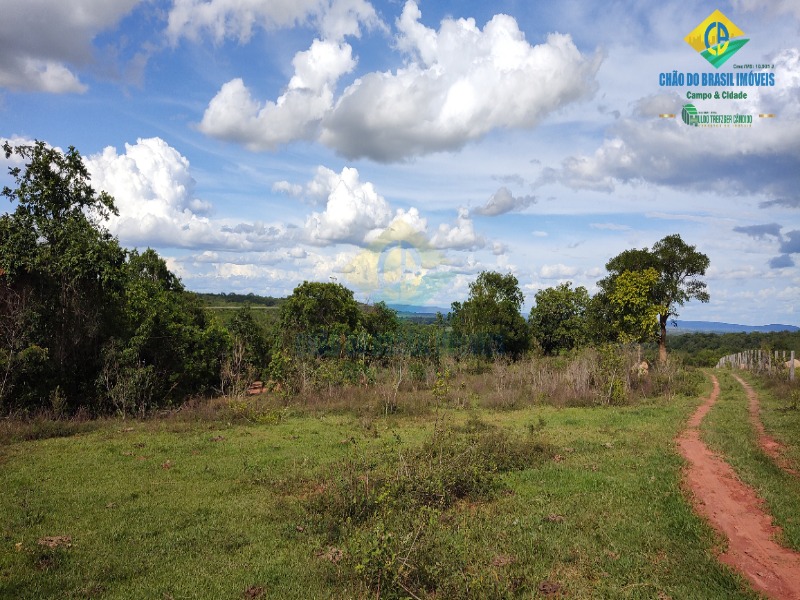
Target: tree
{"points": [[315, 307], [253, 336], [633, 313], [492, 314], [62, 270], [380, 320], [558, 319], [166, 347], [678, 266], [84, 320]]}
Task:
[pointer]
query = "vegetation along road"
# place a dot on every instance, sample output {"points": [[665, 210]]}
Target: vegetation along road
{"points": [[249, 498]]}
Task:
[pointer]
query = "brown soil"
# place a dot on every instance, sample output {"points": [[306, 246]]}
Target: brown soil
{"points": [[736, 512], [769, 445], [257, 387]]}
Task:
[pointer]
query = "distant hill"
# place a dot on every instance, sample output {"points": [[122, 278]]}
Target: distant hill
{"points": [[418, 314], [718, 327], [419, 310]]}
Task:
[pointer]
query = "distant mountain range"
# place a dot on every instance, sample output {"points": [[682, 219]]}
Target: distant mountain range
{"points": [[416, 311], [717, 327]]}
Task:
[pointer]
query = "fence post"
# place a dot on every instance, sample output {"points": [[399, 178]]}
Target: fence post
{"points": [[791, 367]]}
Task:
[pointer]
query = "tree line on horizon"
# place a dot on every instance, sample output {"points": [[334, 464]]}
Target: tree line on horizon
{"points": [[89, 324]]}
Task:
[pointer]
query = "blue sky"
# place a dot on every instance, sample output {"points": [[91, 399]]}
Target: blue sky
{"points": [[401, 148]]}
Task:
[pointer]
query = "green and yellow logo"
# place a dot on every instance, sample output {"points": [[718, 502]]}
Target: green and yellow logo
{"points": [[717, 38]]}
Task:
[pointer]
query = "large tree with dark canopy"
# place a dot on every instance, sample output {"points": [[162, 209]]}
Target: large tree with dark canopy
{"points": [[678, 266], [558, 319], [83, 322], [491, 315], [56, 256]]}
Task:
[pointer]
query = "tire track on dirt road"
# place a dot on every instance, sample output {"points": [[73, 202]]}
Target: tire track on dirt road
{"points": [[768, 444], [735, 511]]}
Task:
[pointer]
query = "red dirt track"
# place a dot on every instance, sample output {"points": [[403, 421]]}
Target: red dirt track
{"points": [[735, 511], [771, 448]]}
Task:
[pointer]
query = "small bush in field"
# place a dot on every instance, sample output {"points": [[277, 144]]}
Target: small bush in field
{"points": [[387, 510], [402, 556]]}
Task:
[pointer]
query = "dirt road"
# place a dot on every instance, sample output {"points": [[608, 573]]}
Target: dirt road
{"points": [[770, 446], [736, 512]]}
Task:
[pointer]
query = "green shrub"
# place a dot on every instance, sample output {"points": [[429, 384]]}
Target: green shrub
{"points": [[387, 510]]}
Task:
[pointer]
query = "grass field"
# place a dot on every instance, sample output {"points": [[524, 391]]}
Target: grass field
{"points": [[299, 505]]}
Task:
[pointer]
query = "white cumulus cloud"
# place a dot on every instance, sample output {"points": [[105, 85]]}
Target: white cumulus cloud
{"points": [[352, 210], [155, 195], [557, 271], [458, 84], [234, 115], [345, 18], [461, 236], [315, 191]]}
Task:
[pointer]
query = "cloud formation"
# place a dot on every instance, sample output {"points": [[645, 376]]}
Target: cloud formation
{"points": [[759, 232], [781, 262], [315, 191], [155, 195], [788, 243], [791, 242], [234, 115], [43, 41], [503, 201], [458, 84], [557, 271], [461, 236], [237, 19], [221, 19], [352, 210], [355, 213]]}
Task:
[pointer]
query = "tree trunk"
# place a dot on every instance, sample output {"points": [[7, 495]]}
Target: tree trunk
{"points": [[662, 340]]}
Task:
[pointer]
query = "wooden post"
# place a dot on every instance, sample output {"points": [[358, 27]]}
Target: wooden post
{"points": [[791, 367]]}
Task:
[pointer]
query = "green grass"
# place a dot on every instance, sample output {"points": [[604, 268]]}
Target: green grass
{"points": [[780, 413], [602, 516], [728, 431]]}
